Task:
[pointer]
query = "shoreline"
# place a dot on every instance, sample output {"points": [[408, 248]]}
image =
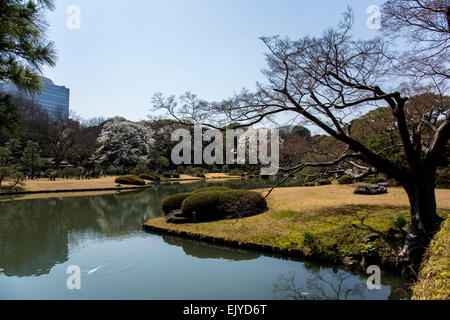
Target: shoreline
{"points": [[349, 231], [23, 193], [98, 185], [276, 251]]}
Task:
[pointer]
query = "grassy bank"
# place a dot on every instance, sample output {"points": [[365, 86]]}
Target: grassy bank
{"points": [[104, 183], [327, 223], [434, 278]]}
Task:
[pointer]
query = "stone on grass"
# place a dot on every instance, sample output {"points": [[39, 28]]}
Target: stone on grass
{"points": [[371, 238], [384, 184], [176, 216], [370, 189], [322, 182]]}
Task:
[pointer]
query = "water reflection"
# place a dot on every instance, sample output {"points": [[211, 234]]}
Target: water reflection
{"points": [[209, 251], [341, 286], [42, 237], [35, 234], [334, 284]]}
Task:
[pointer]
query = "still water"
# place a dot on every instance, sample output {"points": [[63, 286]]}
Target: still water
{"points": [[40, 239]]}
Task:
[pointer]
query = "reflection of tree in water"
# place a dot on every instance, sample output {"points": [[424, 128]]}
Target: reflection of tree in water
{"points": [[317, 287], [35, 234], [32, 238], [205, 250], [332, 283]]}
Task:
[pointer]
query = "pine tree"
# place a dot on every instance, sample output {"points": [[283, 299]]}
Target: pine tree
{"points": [[31, 157], [24, 50]]}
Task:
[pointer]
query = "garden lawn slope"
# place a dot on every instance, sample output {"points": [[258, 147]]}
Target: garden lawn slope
{"points": [[434, 277]]}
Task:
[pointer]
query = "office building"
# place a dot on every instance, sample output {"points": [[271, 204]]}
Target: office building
{"points": [[53, 99]]}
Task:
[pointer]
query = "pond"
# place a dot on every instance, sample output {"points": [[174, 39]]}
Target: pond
{"points": [[103, 236]]}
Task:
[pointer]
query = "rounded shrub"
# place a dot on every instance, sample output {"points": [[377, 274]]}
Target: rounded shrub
{"points": [[145, 176], [201, 205], [174, 202], [212, 205], [215, 188], [400, 222], [345, 180], [241, 203], [167, 175], [130, 179], [176, 175]]}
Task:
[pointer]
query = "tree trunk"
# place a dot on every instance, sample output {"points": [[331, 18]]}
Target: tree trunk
{"points": [[424, 223]]}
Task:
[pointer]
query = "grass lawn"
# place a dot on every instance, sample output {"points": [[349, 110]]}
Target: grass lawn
{"points": [[434, 277], [43, 185], [326, 222]]}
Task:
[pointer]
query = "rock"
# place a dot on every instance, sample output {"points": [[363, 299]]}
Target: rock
{"points": [[322, 182], [384, 184], [370, 189], [371, 238], [176, 216], [349, 261], [396, 234], [363, 263]]}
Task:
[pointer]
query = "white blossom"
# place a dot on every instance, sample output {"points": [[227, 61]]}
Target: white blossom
{"points": [[123, 144]]}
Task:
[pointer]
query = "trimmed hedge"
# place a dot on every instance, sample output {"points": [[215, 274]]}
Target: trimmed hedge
{"points": [[214, 205], [345, 180], [215, 188], [174, 202], [130, 179], [202, 203], [150, 177]]}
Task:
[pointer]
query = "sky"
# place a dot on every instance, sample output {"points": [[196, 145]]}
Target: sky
{"points": [[125, 51]]}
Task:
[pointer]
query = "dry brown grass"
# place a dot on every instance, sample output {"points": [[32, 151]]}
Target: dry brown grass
{"points": [[55, 195], [70, 184], [310, 198], [101, 183]]}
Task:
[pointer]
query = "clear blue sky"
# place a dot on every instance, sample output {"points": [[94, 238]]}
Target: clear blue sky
{"points": [[126, 51]]}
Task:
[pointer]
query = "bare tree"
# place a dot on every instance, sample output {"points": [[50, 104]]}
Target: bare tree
{"points": [[423, 27], [60, 137], [330, 81]]}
